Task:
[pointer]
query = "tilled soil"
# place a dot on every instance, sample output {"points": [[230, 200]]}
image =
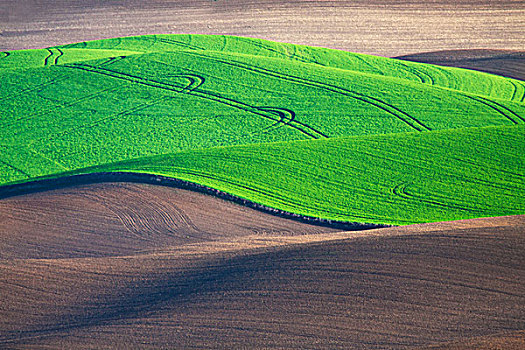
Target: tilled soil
{"points": [[504, 341], [123, 218], [131, 277], [127, 265], [381, 27]]}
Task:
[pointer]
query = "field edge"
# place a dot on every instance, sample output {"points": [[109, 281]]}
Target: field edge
{"points": [[45, 184]]}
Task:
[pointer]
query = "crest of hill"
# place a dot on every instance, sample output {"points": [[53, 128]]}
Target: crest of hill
{"points": [[448, 77]]}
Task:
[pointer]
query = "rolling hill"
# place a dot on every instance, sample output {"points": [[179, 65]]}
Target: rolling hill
{"points": [[311, 131], [98, 250]]}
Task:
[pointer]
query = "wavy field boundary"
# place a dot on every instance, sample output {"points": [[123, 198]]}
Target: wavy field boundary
{"points": [[152, 179]]}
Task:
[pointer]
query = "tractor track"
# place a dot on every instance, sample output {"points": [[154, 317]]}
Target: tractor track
{"points": [[15, 168], [419, 74], [523, 87], [46, 59], [361, 59], [181, 44], [401, 191], [112, 60], [407, 119], [35, 88], [153, 42], [497, 186], [286, 116], [491, 105], [60, 54], [294, 56], [200, 93], [64, 105], [224, 43], [451, 78], [119, 115], [515, 90], [505, 108], [162, 219]]}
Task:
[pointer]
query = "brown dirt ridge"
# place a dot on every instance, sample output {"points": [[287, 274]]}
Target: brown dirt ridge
{"points": [[135, 265], [119, 219]]}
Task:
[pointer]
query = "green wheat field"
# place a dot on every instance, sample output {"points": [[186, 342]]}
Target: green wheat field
{"points": [[311, 131]]}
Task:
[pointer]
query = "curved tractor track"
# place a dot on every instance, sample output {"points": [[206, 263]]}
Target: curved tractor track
{"points": [[394, 111], [195, 82], [111, 219], [52, 58]]}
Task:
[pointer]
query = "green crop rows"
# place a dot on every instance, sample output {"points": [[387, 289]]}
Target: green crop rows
{"points": [[309, 130]]}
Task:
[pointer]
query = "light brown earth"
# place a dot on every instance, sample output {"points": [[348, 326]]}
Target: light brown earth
{"points": [[381, 27], [131, 277], [123, 218]]}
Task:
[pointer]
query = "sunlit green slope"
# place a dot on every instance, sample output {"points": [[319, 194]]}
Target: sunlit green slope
{"points": [[89, 104], [389, 179]]}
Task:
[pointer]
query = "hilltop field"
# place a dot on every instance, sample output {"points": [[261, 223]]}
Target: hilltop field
{"points": [[380, 27]]}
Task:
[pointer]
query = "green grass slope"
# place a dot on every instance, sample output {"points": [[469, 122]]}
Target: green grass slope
{"points": [[174, 98], [386, 179]]}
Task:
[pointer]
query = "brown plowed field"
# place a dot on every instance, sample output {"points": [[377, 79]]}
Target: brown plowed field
{"points": [[123, 218], [242, 278], [382, 27], [502, 62], [505, 341], [123, 265]]}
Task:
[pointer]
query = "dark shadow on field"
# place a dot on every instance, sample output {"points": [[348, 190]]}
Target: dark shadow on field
{"points": [[507, 63], [411, 290]]}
